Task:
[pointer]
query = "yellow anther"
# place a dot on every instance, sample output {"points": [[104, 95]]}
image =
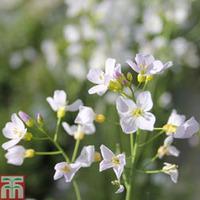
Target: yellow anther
{"points": [[115, 160], [100, 118], [137, 112], [141, 78], [169, 128], [29, 153]]}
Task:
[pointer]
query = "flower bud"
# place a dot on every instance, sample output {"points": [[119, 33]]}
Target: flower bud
{"points": [[40, 119], [162, 151], [28, 136], [29, 153], [141, 78], [97, 157], [129, 76], [61, 112], [100, 118], [26, 119]]}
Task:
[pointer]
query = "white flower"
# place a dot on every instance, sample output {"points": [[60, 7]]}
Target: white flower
{"points": [[179, 128], [135, 116], [101, 78], [146, 64], [120, 189], [16, 155], [110, 160], [85, 116], [171, 170], [87, 156], [168, 149], [66, 170], [59, 102], [78, 131], [14, 130]]}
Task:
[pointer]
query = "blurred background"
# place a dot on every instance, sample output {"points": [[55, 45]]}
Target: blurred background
{"points": [[51, 44]]}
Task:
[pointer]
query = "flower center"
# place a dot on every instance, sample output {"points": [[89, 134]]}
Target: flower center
{"points": [[66, 169], [137, 112], [18, 132], [115, 160], [169, 128]]}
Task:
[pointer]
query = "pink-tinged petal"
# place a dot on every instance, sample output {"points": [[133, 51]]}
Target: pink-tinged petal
{"points": [[157, 67], [16, 120], [52, 103], [105, 164], [98, 89], [107, 154], [58, 175], [173, 151], [176, 119], [75, 106], [188, 129], [144, 101], [96, 76], [128, 125], [60, 97], [118, 170], [69, 129], [88, 128], [8, 130], [110, 66], [124, 105], [133, 66], [10, 144], [146, 121]]}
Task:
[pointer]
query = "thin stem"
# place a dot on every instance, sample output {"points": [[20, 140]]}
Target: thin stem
{"points": [[40, 138], [75, 150], [158, 129], [57, 129], [152, 171], [48, 153], [125, 95], [151, 140], [132, 147], [76, 189], [152, 160]]}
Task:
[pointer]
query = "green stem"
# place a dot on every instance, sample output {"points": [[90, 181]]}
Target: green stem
{"points": [[48, 153], [153, 171], [40, 138], [152, 160], [75, 150], [151, 140], [76, 189], [57, 129], [132, 146]]}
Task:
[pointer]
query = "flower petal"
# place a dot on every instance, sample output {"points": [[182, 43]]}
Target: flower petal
{"points": [[128, 125], [107, 154], [110, 66], [96, 76], [105, 164], [133, 66], [144, 101], [10, 143], [75, 106], [99, 89]]}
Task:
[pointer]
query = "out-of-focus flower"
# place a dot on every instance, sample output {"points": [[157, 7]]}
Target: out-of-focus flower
{"points": [[171, 170], [87, 156], [168, 149], [71, 33], [14, 130], [179, 128], [59, 103], [16, 60], [110, 160], [135, 116], [17, 154], [67, 170], [165, 99], [146, 64], [102, 79]]}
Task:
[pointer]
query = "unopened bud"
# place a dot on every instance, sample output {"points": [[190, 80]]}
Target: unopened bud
{"points": [[61, 112], [40, 119], [97, 157], [115, 86], [26, 118], [28, 136], [29, 153], [129, 76], [100, 118]]}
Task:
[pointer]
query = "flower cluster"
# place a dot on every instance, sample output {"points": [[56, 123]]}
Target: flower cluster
{"points": [[134, 105]]}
